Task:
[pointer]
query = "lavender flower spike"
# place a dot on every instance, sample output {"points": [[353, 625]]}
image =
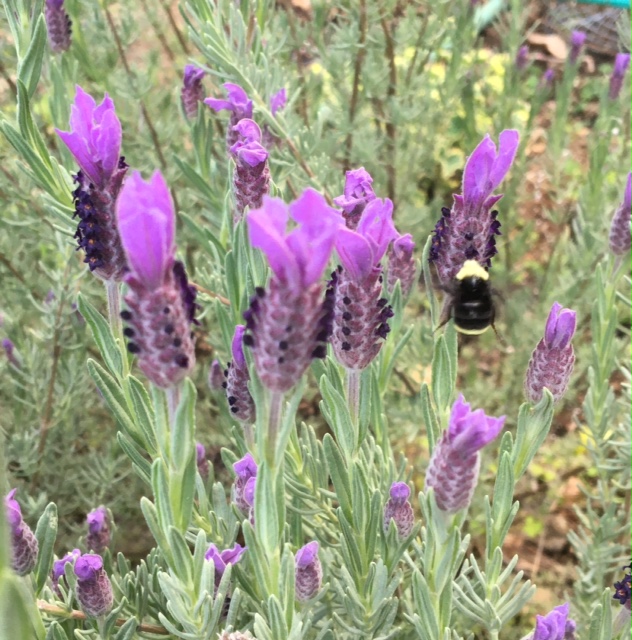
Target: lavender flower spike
{"points": [[577, 44], [99, 533], [94, 589], [620, 240], [358, 192], [289, 324], [245, 469], [468, 231], [621, 64], [522, 58], [555, 625], [11, 352], [95, 142], [552, 360], [192, 91], [59, 569], [58, 25], [455, 462], [360, 321], [278, 101], [24, 546], [251, 180], [308, 572], [401, 264], [238, 104], [398, 509], [161, 303], [240, 401]]}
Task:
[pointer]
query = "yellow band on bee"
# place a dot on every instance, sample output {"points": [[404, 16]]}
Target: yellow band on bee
{"points": [[471, 269], [471, 332]]}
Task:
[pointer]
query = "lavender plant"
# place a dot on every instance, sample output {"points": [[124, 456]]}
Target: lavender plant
{"points": [[309, 514]]}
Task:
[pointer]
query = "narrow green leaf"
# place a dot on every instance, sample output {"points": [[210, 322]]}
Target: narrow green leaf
{"points": [[46, 534], [127, 631], [30, 66], [336, 411], [142, 466], [339, 475]]}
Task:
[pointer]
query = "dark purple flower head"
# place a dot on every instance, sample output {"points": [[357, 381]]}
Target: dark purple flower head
{"points": [[95, 137], [94, 589], [623, 589], [360, 251], [308, 572], [59, 567], [13, 512], [297, 258], [146, 222], [577, 43], [560, 327], [58, 25], [278, 101], [238, 102], [620, 238], [248, 148], [192, 92], [358, 192], [398, 509], [455, 462], [522, 58], [552, 626], [221, 559], [468, 231], [552, 361], [621, 64], [245, 468]]}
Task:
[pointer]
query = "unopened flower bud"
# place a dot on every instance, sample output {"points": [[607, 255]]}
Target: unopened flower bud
{"points": [[58, 25], [24, 546], [358, 192], [308, 572], [192, 92], [98, 538], [94, 589], [621, 64], [552, 360], [399, 510], [577, 44], [620, 238], [11, 353], [455, 462], [401, 265], [202, 460], [216, 376]]}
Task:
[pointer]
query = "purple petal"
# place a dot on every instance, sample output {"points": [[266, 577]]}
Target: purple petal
{"points": [[358, 189], [77, 146], [96, 519], [237, 346], [560, 327], [627, 196], [404, 246], [192, 74], [400, 491], [218, 105], [200, 452], [248, 129], [252, 153], [551, 322], [214, 556], [508, 142], [107, 142], [376, 225], [246, 467], [59, 565], [278, 101], [249, 490], [553, 625], [355, 252], [470, 431], [306, 555], [88, 566], [13, 510], [146, 222]]}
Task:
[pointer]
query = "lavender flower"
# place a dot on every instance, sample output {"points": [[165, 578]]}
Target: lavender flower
{"points": [[216, 377], [308, 572], [547, 80], [59, 569], [99, 533], [241, 404], [522, 58], [238, 104], [11, 353], [468, 231], [249, 498], [221, 559], [398, 509], [552, 360], [161, 302], [192, 91], [201, 461], [95, 142], [251, 180], [619, 238], [358, 192], [623, 589], [24, 546], [278, 101], [245, 469], [621, 64], [360, 320], [94, 589], [577, 44], [288, 324], [555, 625], [401, 265], [454, 465], [58, 25]]}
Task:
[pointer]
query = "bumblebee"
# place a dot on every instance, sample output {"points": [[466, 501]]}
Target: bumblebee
{"points": [[470, 300]]}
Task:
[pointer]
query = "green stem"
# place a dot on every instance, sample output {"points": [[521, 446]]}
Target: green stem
{"points": [[353, 398], [274, 423], [173, 400], [113, 294]]}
